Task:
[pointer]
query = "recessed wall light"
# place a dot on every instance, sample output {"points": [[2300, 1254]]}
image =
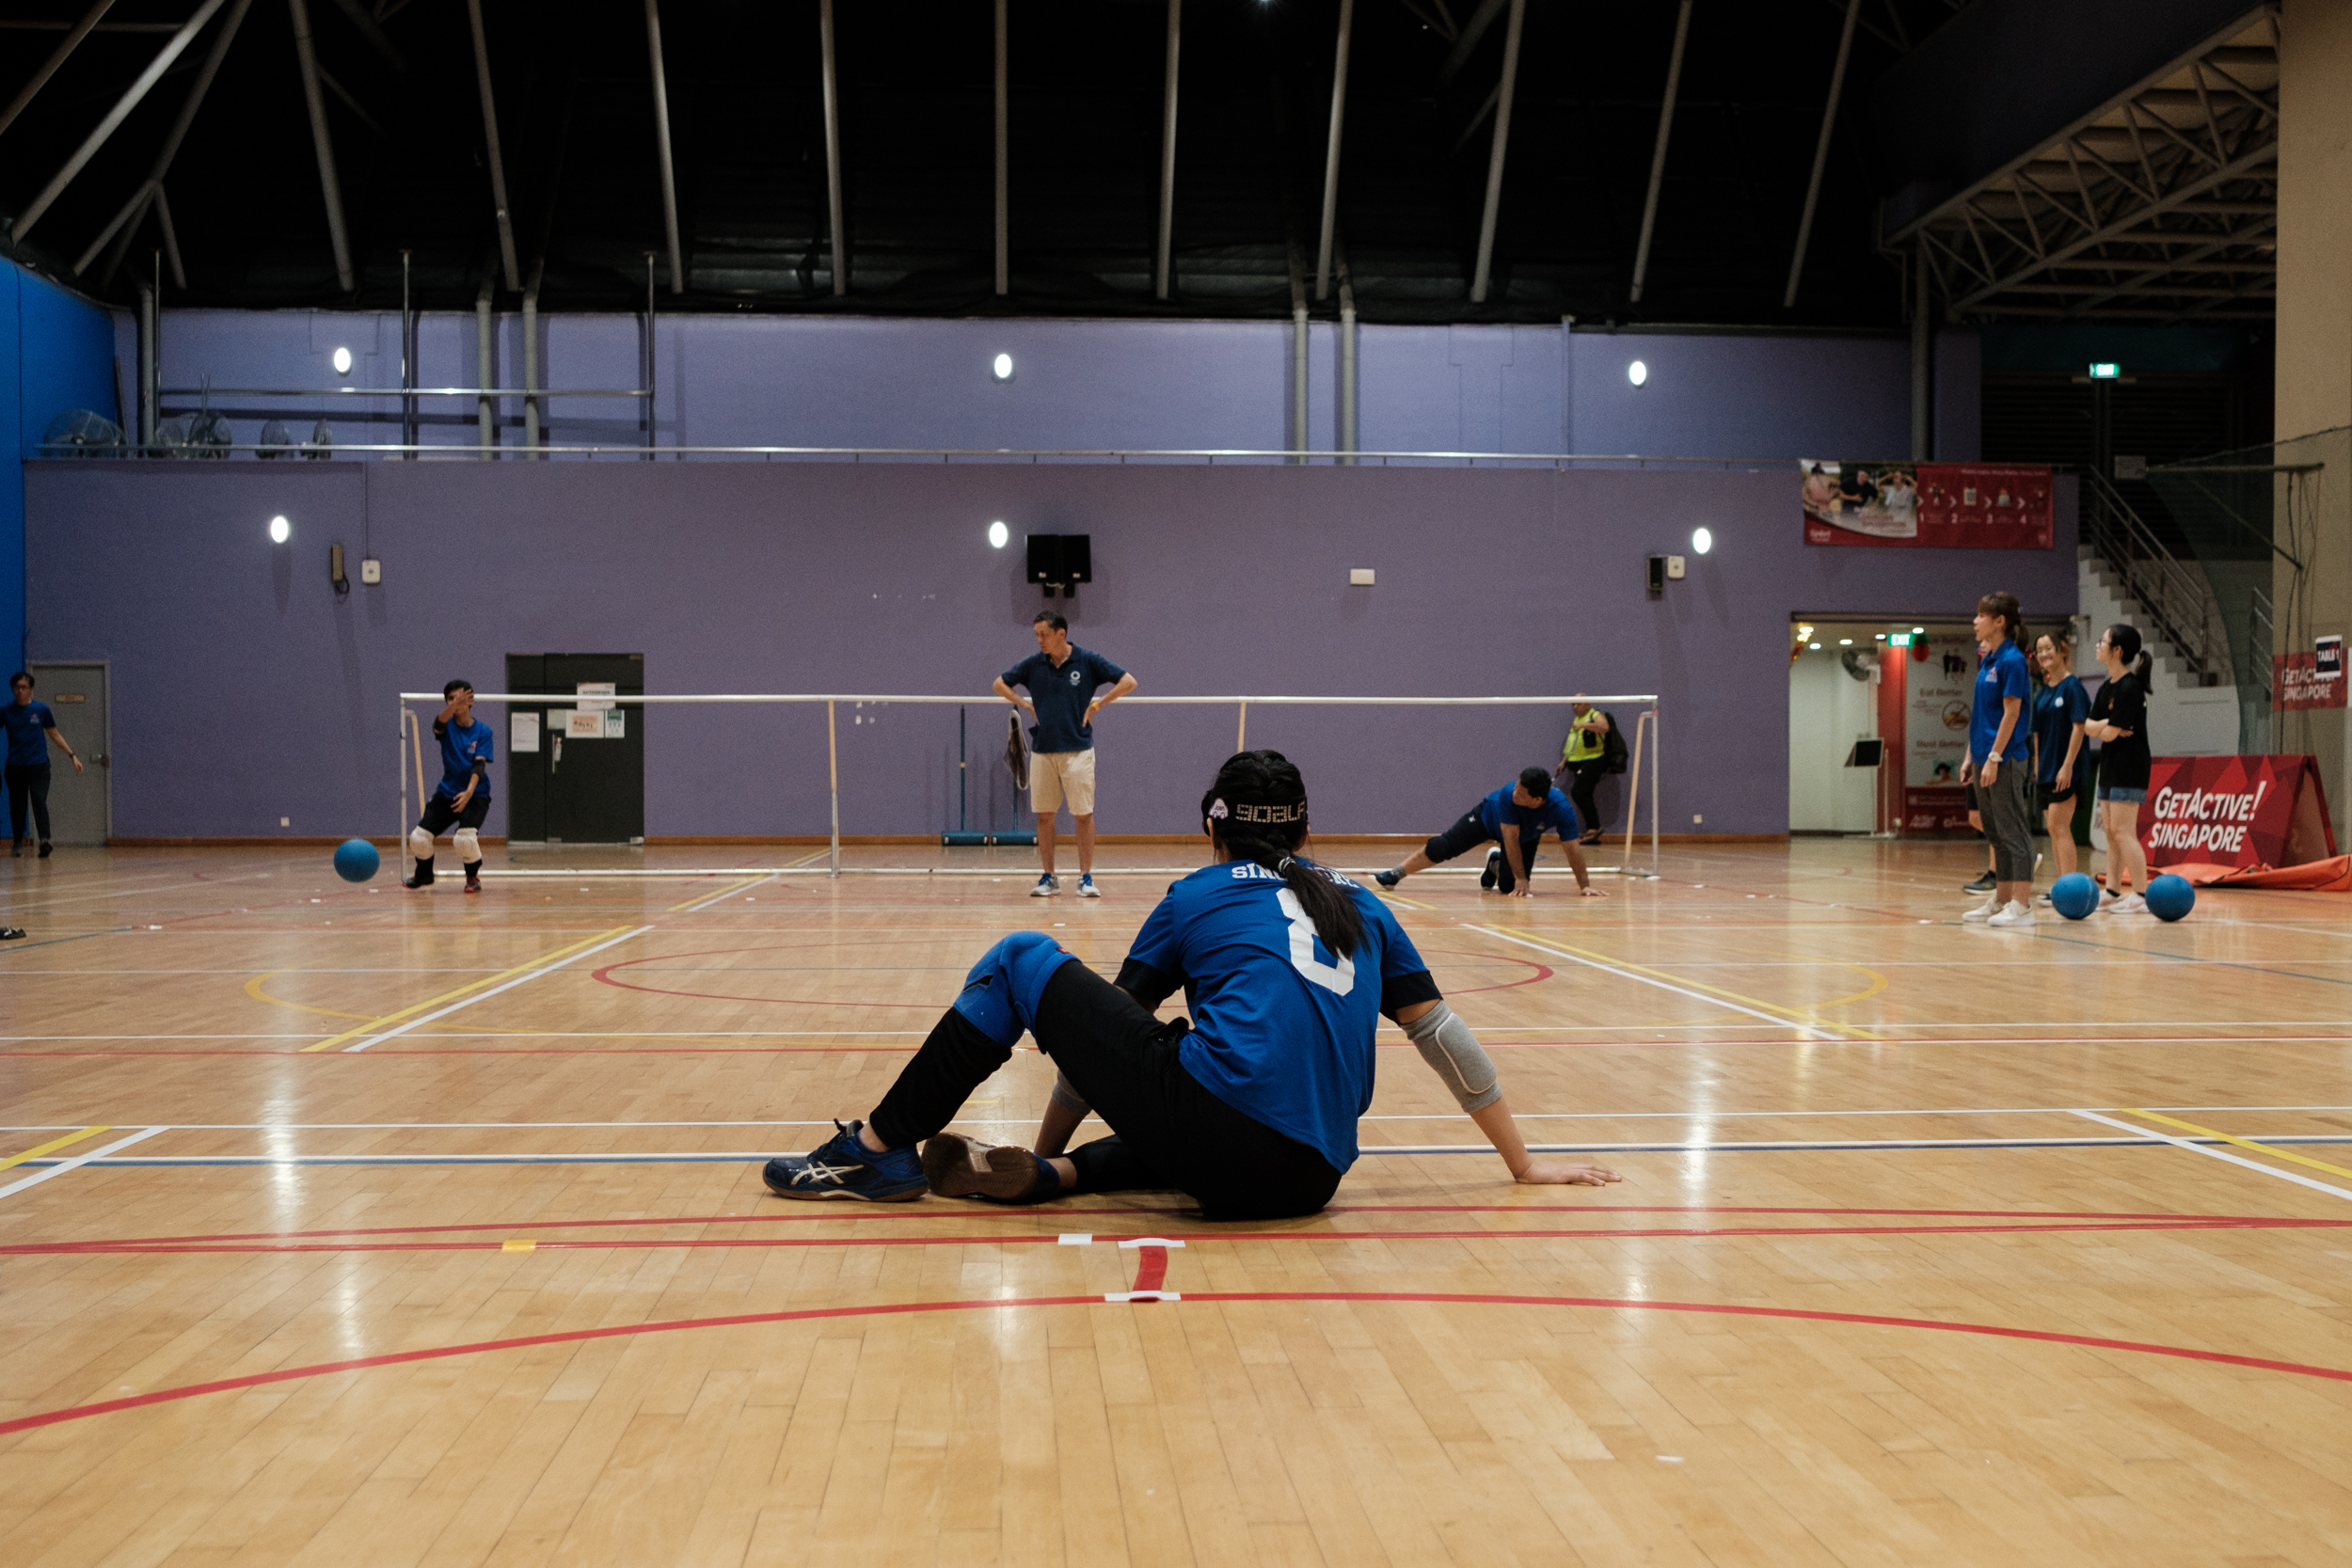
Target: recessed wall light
{"points": [[1637, 372], [997, 535], [280, 529], [1002, 367], [342, 361], [1702, 541]]}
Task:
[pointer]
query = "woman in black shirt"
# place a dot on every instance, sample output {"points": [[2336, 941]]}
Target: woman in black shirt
{"points": [[2118, 719]]}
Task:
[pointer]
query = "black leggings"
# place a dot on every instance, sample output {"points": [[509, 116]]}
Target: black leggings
{"points": [[1588, 775], [32, 781], [1168, 1128], [1468, 835]]}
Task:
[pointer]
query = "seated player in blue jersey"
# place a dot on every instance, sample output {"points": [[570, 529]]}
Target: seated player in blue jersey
{"points": [[1513, 819], [463, 797], [1252, 1107]]}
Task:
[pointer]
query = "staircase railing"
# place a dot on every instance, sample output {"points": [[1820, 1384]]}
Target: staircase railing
{"points": [[2260, 639], [2175, 597]]}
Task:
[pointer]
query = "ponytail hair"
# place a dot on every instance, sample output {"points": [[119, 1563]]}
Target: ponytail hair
{"points": [[2004, 604], [2125, 642], [1257, 811]]}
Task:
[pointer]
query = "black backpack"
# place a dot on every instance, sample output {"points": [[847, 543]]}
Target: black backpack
{"points": [[1613, 752]]}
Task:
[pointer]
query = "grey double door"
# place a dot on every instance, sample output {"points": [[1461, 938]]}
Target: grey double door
{"points": [[80, 807]]}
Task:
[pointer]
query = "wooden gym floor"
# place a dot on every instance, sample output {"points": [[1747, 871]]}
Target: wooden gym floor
{"points": [[342, 1225]]}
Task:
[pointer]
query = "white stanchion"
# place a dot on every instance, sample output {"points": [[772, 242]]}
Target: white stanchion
{"points": [[1646, 725]]}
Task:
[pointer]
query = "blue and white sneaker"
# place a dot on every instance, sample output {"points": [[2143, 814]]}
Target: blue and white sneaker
{"points": [[1388, 878], [1086, 886], [843, 1167], [1046, 887]]}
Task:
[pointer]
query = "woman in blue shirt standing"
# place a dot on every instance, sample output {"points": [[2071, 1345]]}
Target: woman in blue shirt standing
{"points": [[1999, 759], [30, 727], [2060, 708]]}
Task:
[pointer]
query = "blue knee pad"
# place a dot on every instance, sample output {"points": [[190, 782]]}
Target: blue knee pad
{"points": [[1001, 993]]}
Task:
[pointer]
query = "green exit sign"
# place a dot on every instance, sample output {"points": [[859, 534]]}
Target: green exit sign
{"points": [[2106, 370]]}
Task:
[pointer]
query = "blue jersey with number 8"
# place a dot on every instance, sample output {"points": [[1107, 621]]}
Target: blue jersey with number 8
{"points": [[1282, 1027]]}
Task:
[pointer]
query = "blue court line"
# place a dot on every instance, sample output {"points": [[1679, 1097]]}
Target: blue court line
{"points": [[2192, 959], [57, 941], [267, 1160]]}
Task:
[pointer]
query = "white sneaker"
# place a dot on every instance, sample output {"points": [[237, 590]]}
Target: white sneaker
{"points": [[1992, 907], [1046, 887], [2016, 915], [2042, 900], [2131, 903]]}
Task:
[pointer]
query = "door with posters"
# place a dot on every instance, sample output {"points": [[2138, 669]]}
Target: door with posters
{"points": [[576, 767], [1939, 668]]}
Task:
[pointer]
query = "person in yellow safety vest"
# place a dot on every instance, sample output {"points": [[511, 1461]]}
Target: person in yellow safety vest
{"points": [[1586, 758]]}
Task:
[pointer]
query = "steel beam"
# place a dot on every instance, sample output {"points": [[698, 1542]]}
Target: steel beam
{"points": [[1167, 153], [321, 142], [1332, 149], [377, 40], [115, 117], [1657, 155], [1502, 146], [57, 57], [1821, 154], [832, 148], [490, 138], [1004, 161], [126, 219], [1472, 30], [661, 141]]}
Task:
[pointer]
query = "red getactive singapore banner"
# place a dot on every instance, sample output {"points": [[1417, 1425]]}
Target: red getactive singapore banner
{"points": [[2235, 810], [1982, 506]]}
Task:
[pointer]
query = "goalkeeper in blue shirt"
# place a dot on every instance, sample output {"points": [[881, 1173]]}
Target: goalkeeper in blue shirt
{"points": [[463, 798]]}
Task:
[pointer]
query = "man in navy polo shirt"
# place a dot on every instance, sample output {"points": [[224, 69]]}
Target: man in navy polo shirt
{"points": [[1514, 820], [1062, 680]]}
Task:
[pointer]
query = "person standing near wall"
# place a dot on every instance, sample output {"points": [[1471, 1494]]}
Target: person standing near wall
{"points": [[1590, 754], [2118, 719], [1999, 760], [463, 797], [2060, 708], [1064, 683], [31, 726]]}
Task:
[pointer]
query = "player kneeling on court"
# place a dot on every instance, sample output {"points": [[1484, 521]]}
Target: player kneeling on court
{"points": [[1513, 819], [463, 798], [1251, 1108]]}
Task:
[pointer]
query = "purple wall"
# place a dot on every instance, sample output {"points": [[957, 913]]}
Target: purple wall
{"points": [[1093, 385], [245, 691]]}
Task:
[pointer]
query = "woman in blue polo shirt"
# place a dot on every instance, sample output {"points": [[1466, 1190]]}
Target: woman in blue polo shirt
{"points": [[1999, 760], [30, 727], [2060, 708]]}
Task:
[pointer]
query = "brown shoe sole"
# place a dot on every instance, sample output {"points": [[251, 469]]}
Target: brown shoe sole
{"points": [[958, 1166]]}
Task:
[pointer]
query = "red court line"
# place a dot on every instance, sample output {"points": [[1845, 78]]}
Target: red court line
{"points": [[967, 1212], [657, 1243], [605, 974], [327, 1368], [1150, 1268]]}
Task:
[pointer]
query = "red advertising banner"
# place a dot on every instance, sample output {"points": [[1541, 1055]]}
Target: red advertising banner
{"points": [[1935, 810], [2235, 810], [1982, 506], [2300, 681]]}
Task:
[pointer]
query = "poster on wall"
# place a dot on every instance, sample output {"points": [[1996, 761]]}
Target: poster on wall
{"points": [[1982, 506], [2300, 682], [2235, 810], [1939, 685]]}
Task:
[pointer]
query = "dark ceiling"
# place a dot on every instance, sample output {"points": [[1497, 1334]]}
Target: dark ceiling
{"points": [[577, 124]]}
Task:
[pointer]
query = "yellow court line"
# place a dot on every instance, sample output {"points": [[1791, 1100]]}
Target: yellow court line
{"points": [[701, 898], [53, 1146], [478, 984], [2242, 1143], [253, 989], [1398, 898], [1796, 1014], [1878, 985]]}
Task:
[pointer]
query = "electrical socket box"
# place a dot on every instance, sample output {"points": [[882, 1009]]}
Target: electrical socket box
{"points": [[1676, 568], [1359, 577], [370, 572]]}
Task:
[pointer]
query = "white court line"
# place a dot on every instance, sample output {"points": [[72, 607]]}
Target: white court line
{"points": [[1808, 1030], [79, 1160], [485, 996], [2331, 1189], [731, 891]]}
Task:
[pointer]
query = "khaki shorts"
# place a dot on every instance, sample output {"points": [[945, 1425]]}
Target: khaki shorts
{"points": [[1055, 777]]}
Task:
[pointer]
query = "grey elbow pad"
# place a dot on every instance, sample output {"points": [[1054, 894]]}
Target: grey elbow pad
{"points": [[1066, 1097], [1454, 1055]]}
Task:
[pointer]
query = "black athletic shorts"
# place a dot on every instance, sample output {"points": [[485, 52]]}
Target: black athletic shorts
{"points": [[2048, 795], [439, 816], [1972, 798], [1464, 836]]}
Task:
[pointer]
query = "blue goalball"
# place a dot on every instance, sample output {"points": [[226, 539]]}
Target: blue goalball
{"points": [[2170, 897], [2073, 896], [355, 860]]}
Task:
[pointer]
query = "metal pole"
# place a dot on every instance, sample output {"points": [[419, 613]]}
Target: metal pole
{"points": [[407, 364], [1502, 146], [171, 237], [1656, 767], [1633, 790], [1332, 149], [1298, 380], [1347, 362], [1472, 30], [1657, 155], [1821, 152], [833, 776], [964, 802], [129, 215], [1922, 358], [832, 148], [484, 363], [49, 67], [400, 765], [652, 355], [1241, 730], [147, 366], [661, 139], [1168, 152], [531, 356], [115, 117], [321, 142], [1004, 163], [490, 137]]}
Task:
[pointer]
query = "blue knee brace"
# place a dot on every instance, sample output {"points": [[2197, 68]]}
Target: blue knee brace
{"points": [[1001, 993]]}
